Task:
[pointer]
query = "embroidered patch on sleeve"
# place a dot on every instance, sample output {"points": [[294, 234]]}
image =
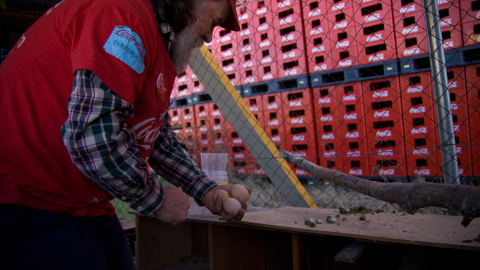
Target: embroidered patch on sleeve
{"points": [[127, 46]]}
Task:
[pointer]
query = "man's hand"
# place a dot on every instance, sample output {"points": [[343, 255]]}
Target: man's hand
{"points": [[174, 209], [217, 207]]}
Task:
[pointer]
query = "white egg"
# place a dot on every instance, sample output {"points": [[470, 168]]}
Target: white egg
{"points": [[231, 205], [239, 191]]}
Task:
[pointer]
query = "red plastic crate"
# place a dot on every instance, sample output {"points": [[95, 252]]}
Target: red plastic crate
{"points": [[268, 65], [373, 12], [356, 165], [286, 16], [452, 37], [415, 85], [473, 88], [344, 58], [222, 36], [414, 23], [274, 120], [305, 151], [388, 155], [217, 132], [245, 13], [330, 155], [464, 153], [383, 110], [248, 67], [409, 24], [255, 105], [458, 93], [354, 148], [329, 127], [265, 39], [182, 87], [335, 6], [421, 139], [246, 19], [411, 44], [387, 89], [314, 12], [353, 130], [291, 51], [247, 44], [341, 19], [423, 161], [471, 32], [318, 54], [279, 5], [292, 66], [243, 167], [263, 19], [344, 39], [226, 50], [374, 32], [298, 99], [410, 6], [196, 86], [186, 125], [377, 51], [290, 34], [262, 7], [470, 10], [299, 126], [175, 115], [324, 96], [203, 124]]}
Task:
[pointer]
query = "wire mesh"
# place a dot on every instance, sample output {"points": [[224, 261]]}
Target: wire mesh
{"points": [[344, 84]]}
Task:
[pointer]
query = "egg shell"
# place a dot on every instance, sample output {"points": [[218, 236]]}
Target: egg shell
{"points": [[231, 205], [239, 191], [224, 194]]}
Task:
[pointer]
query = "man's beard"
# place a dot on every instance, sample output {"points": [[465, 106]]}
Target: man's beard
{"points": [[185, 42]]}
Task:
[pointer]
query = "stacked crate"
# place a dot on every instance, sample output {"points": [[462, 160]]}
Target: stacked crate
{"points": [[188, 131], [473, 86], [340, 16], [411, 30], [203, 125], [318, 45], [470, 18], [289, 38], [365, 115], [375, 31], [328, 127], [182, 86], [353, 132], [385, 133], [459, 110], [419, 118], [300, 138], [264, 39], [248, 62], [224, 49]]}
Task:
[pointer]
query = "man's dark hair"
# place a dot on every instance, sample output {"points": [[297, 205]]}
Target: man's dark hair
{"points": [[179, 13]]}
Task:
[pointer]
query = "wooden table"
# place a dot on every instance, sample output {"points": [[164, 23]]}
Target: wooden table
{"points": [[280, 239]]}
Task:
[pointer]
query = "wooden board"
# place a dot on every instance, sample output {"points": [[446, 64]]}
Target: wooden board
{"points": [[419, 229]]}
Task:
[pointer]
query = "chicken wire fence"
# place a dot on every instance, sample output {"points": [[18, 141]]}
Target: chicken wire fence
{"points": [[347, 85], [344, 84]]}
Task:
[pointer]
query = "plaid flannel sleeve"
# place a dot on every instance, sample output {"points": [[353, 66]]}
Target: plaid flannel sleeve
{"points": [[171, 160], [103, 148]]}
